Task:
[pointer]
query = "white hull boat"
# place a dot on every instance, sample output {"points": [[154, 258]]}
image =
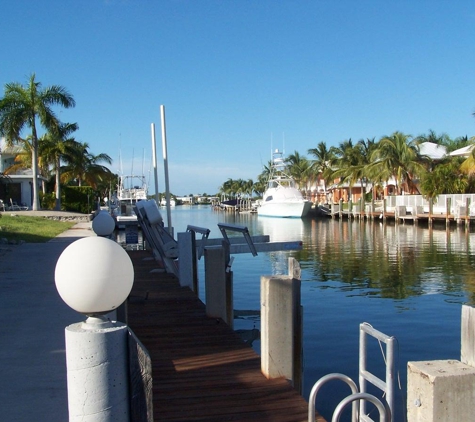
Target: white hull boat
{"points": [[282, 198], [131, 189], [163, 202]]}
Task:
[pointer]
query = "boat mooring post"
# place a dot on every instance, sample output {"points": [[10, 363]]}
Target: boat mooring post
{"points": [[444, 390], [281, 326], [219, 283]]}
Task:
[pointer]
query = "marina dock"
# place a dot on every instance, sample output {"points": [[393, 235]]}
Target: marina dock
{"points": [[202, 370], [448, 209]]}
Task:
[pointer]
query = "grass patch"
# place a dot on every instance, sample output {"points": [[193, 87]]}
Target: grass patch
{"points": [[31, 229]]}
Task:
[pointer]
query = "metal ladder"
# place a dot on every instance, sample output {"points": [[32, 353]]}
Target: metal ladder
{"points": [[385, 407]]}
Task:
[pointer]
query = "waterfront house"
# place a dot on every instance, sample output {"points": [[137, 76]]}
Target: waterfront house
{"points": [[342, 190], [17, 187]]}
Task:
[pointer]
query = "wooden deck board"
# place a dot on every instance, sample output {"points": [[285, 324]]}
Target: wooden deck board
{"points": [[202, 370]]}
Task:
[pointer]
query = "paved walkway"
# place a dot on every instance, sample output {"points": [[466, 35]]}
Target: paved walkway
{"points": [[33, 318]]}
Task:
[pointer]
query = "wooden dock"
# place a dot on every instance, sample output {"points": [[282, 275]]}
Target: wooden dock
{"points": [[412, 218], [202, 370]]}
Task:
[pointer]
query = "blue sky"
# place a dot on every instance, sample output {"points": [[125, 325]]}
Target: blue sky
{"points": [[238, 77]]}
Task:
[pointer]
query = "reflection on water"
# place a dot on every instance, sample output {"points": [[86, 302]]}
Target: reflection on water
{"points": [[406, 281]]}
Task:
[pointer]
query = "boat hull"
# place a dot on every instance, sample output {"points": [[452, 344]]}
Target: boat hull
{"points": [[284, 209]]}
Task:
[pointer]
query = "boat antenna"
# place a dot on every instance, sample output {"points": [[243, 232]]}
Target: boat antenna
{"points": [[143, 161], [271, 145], [133, 158], [120, 153]]}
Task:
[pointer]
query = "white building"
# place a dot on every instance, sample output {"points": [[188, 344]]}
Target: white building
{"points": [[17, 186]]}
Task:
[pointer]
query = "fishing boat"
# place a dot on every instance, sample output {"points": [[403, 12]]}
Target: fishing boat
{"points": [[282, 198], [130, 190]]}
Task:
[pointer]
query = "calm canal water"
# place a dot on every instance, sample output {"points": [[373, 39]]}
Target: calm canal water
{"points": [[406, 281]]}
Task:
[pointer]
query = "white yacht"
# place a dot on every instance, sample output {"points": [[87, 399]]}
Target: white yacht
{"points": [[130, 190], [282, 198]]}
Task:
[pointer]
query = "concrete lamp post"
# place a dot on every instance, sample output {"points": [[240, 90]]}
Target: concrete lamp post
{"points": [[94, 276]]}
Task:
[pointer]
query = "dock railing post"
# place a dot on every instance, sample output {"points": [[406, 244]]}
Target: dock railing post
{"points": [[448, 204], [467, 212], [431, 210], [281, 326]]}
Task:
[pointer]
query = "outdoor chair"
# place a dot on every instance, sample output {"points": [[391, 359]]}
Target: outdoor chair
{"points": [[15, 207], [2, 206]]}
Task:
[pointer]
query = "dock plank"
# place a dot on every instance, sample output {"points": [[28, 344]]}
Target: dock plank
{"points": [[202, 370]]}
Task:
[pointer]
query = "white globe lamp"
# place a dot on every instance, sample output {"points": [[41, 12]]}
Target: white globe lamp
{"points": [[103, 224], [94, 275]]}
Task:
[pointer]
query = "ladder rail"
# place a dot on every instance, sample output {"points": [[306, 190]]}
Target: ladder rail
{"points": [[365, 376]]}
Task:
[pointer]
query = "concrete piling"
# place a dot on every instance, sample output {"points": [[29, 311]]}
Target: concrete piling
{"points": [[281, 326], [444, 390], [97, 373], [218, 284]]}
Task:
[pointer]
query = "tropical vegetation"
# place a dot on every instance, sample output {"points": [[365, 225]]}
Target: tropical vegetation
{"points": [[396, 158], [25, 111]]}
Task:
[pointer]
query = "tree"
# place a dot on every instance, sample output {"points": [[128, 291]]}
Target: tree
{"points": [[57, 145], [321, 165], [23, 107], [82, 166], [298, 168], [446, 177], [397, 156], [348, 163], [442, 139]]}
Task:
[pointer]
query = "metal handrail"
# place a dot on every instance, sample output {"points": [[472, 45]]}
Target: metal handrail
{"points": [[241, 229], [204, 232], [384, 411], [330, 377]]}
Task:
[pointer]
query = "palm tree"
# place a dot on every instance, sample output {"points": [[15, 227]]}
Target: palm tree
{"points": [[22, 107], [432, 137], [56, 146], [82, 166], [299, 169], [321, 165], [348, 162], [366, 148], [397, 156]]}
